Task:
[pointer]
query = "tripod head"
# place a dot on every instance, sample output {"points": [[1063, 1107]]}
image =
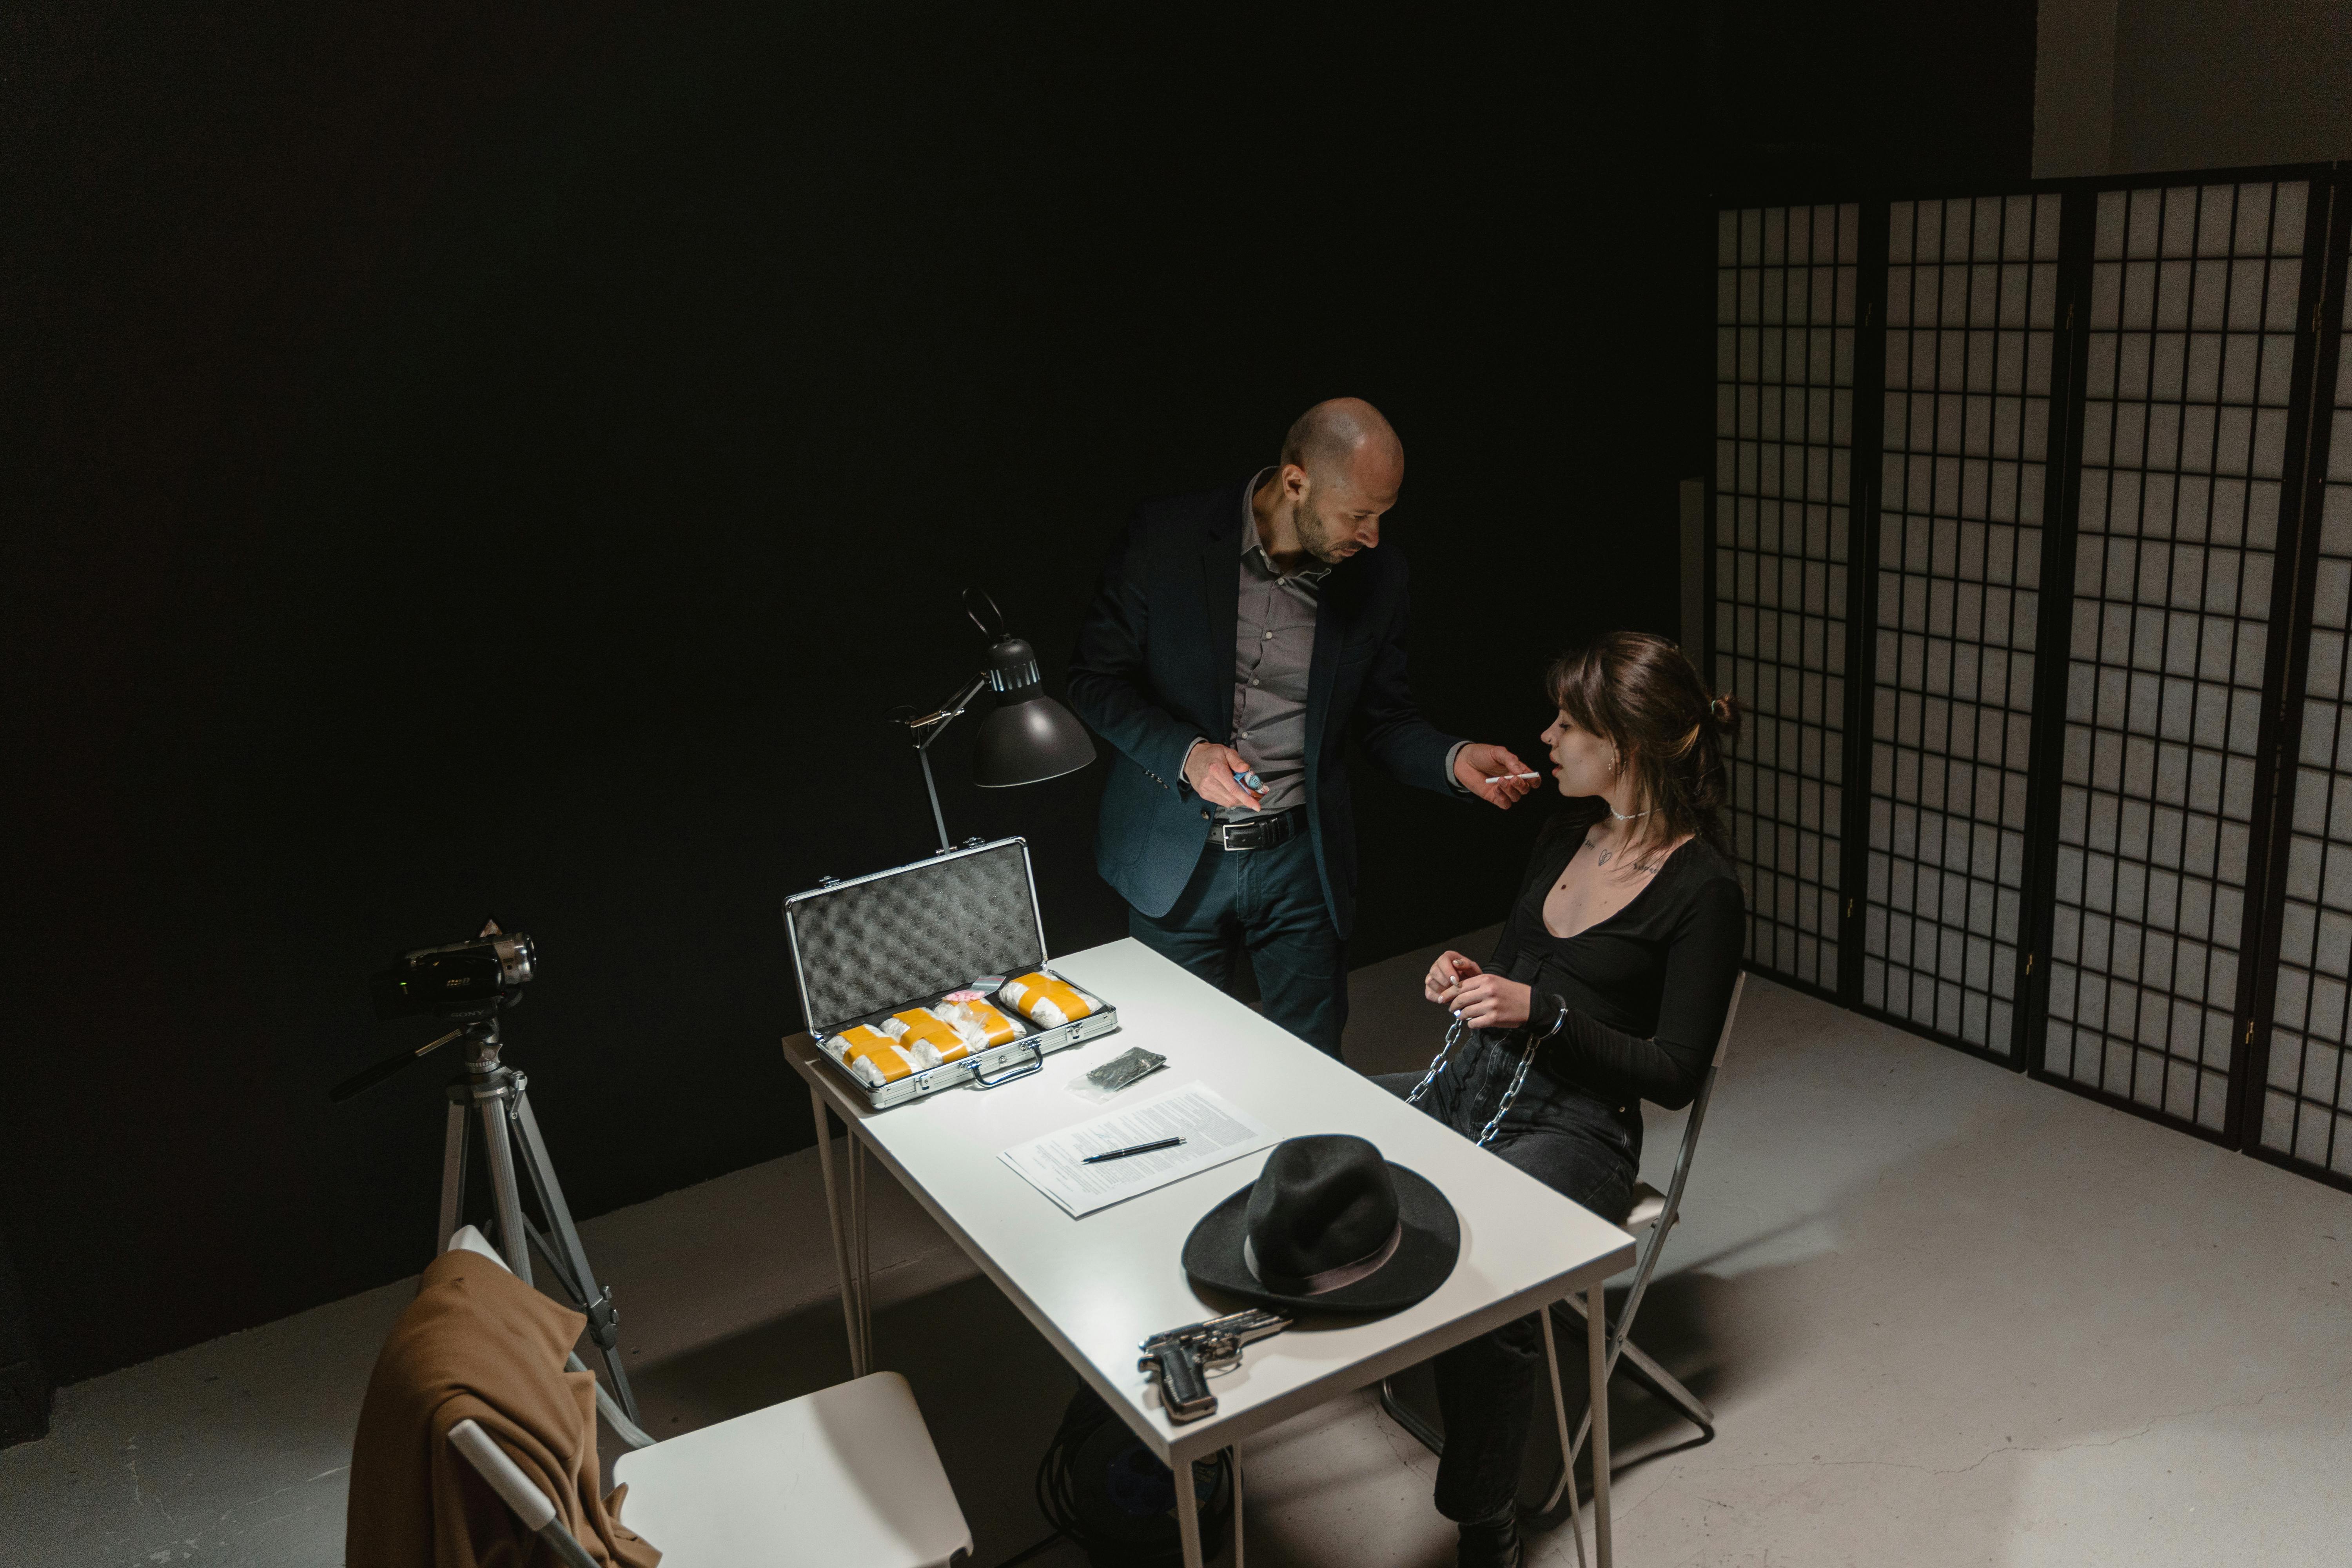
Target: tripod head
{"points": [[469, 984], [482, 1047]]}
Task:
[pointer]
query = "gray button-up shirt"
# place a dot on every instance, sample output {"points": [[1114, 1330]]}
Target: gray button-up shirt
{"points": [[1274, 651], [1274, 647]]}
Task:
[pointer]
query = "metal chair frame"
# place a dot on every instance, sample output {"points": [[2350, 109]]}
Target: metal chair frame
{"points": [[1660, 1212]]}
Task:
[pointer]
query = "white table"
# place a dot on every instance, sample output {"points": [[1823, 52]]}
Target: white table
{"points": [[1095, 1287]]}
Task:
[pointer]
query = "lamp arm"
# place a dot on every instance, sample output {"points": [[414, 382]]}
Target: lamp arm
{"points": [[950, 711], [930, 727]]}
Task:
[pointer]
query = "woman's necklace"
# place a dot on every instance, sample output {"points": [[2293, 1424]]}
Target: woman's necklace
{"points": [[1621, 817]]}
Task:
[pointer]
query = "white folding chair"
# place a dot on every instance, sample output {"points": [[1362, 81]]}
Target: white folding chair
{"points": [[846, 1475], [1657, 1213]]}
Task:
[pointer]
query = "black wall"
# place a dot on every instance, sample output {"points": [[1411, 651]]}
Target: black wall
{"points": [[25, 1382], [506, 463]]}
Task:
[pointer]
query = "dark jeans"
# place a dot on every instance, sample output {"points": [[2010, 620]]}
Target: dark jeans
{"points": [[1270, 903], [1578, 1145]]}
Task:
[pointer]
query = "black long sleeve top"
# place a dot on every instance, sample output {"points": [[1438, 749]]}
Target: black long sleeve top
{"points": [[1647, 988]]}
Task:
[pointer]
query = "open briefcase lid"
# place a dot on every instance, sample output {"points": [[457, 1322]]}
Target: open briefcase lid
{"points": [[872, 943]]}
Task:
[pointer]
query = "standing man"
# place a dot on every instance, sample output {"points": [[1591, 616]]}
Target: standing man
{"points": [[1235, 633]]}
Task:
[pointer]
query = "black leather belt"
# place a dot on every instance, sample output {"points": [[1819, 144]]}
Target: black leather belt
{"points": [[1258, 832]]}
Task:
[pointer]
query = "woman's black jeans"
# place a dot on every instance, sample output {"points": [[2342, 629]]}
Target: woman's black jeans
{"points": [[1573, 1141]]}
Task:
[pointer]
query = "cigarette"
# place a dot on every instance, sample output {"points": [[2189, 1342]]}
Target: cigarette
{"points": [[1498, 778]]}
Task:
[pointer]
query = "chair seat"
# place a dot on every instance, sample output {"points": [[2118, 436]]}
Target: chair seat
{"points": [[847, 1474], [1648, 1204]]}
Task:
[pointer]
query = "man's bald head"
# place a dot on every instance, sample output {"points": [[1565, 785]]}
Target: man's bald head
{"points": [[1343, 436], [1342, 467]]}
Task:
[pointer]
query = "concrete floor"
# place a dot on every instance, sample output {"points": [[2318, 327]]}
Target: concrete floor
{"points": [[1946, 1316]]}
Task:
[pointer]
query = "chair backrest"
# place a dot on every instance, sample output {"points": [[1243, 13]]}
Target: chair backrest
{"points": [[1670, 1212], [1706, 1084], [1674, 1194], [1722, 1041], [518, 1492], [470, 1239], [473, 1240]]}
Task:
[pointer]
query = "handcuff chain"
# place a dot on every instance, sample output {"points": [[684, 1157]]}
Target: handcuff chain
{"points": [[1526, 1059], [1437, 1066]]}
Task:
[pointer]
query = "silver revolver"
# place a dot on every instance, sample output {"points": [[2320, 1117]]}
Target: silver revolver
{"points": [[1184, 1357]]}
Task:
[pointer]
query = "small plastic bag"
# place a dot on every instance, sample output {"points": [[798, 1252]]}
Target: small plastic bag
{"points": [[1106, 1081]]}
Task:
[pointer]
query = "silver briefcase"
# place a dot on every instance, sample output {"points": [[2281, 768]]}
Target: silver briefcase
{"points": [[873, 946]]}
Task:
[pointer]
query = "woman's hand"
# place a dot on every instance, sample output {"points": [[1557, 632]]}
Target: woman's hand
{"points": [[1491, 1002], [1446, 976]]}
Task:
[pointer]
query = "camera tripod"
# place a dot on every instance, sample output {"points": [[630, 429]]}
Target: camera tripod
{"points": [[492, 1092]]}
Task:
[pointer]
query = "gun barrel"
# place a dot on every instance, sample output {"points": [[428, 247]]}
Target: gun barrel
{"points": [[1253, 1324]]}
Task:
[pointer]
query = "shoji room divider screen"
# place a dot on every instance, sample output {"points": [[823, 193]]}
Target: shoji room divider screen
{"points": [[2033, 562]]}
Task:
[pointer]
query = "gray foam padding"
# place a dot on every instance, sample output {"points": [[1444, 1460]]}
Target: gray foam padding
{"points": [[923, 929]]}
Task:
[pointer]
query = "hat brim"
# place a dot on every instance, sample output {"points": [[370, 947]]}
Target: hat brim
{"points": [[1425, 1258]]}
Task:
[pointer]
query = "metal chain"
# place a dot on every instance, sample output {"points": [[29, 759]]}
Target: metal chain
{"points": [[1526, 1059], [1518, 1077], [1437, 1066]]}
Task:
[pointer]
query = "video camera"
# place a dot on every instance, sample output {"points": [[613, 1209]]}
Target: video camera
{"points": [[462, 982]]}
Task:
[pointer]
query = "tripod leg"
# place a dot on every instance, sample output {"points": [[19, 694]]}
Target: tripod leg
{"points": [[596, 1302], [452, 1174], [513, 1239]]}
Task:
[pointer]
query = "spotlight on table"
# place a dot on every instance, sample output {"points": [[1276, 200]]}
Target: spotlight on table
{"points": [[1027, 738]]}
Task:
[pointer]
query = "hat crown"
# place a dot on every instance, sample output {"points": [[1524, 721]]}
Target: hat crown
{"points": [[1321, 1202]]}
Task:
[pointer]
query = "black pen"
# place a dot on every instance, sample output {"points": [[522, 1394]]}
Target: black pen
{"points": [[1123, 1153]]}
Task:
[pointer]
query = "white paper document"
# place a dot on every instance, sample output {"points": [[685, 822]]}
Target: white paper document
{"points": [[1213, 1132]]}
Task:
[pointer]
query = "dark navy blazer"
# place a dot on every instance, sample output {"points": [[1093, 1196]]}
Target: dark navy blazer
{"points": [[1154, 671]]}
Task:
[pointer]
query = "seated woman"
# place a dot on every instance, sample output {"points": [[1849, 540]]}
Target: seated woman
{"points": [[1609, 987]]}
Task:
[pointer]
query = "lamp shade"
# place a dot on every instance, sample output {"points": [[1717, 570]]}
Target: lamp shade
{"points": [[1029, 737]]}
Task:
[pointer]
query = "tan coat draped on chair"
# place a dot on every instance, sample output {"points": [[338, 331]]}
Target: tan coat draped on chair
{"points": [[477, 1343]]}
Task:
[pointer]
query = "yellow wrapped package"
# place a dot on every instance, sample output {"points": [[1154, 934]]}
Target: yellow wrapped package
{"points": [[1044, 1000], [924, 1034], [978, 1021], [873, 1056]]}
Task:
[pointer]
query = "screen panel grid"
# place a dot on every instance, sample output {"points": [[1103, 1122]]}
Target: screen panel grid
{"points": [[2194, 295], [2307, 1096], [1785, 314], [1971, 309]]}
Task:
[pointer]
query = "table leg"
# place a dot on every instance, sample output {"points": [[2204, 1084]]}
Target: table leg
{"points": [[1596, 1355], [1188, 1515], [841, 1271], [1236, 1452], [861, 1250]]}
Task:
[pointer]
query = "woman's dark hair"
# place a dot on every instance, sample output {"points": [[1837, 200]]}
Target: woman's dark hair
{"points": [[1639, 693]]}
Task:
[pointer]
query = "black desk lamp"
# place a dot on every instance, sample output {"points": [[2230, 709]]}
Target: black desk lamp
{"points": [[1029, 738]]}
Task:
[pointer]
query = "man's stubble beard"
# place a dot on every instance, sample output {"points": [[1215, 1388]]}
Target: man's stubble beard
{"points": [[1321, 540]]}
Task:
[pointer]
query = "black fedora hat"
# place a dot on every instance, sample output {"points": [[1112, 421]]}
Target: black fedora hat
{"points": [[1327, 1226]]}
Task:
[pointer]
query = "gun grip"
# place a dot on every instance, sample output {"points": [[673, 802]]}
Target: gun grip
{"points": [[1183, 1385]]}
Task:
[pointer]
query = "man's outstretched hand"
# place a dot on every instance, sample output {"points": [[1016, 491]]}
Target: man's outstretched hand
{"points": [[1477, 762]]}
